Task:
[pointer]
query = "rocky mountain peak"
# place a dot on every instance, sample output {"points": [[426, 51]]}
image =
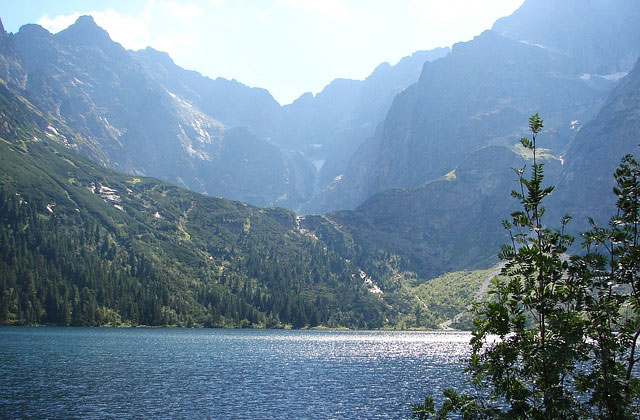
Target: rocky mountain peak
{"points": [[159, 57], [85, 31], [34, 31], [3, 36]]}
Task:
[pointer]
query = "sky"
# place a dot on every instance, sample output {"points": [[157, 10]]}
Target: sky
{"points": [[288, 47]]}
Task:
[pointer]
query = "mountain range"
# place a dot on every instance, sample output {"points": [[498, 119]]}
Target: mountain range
{"points": [[410, 170], [84, 245]]}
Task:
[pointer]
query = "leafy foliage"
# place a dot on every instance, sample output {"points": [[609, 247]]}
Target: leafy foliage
{"points": [[558, 336], [609, 277]]}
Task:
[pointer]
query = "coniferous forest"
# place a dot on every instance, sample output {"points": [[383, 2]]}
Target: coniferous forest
{"points": [[429, 195], [82, 245]]}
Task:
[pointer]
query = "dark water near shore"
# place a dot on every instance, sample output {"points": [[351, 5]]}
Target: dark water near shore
{"points": [[102, 373]]}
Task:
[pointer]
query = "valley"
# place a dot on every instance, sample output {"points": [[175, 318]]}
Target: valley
{"points": [[136, 192]]}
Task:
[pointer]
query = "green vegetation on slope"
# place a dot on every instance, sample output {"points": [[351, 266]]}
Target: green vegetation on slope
{"points": [[84, 245], [449, 297]]}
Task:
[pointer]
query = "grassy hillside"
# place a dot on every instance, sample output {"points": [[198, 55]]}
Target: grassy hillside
{"points": [[448, 298]]}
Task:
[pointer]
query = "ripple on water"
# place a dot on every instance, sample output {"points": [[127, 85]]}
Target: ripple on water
{"points": [[222, 374]]}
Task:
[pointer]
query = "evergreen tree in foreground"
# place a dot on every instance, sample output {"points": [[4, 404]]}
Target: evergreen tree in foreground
{"points": [[557, 337]]}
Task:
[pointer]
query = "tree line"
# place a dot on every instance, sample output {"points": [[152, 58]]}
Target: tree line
{"points": [[67, 268]]}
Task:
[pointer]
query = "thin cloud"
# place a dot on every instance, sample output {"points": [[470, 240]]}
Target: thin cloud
{"points": [[131, 31], [136, 31], [182, 10], [329, 8], [263, 15]]}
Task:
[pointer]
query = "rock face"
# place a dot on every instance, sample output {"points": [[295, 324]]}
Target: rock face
{"points": [[329, 127], [228, 101], [144, 117], [599, 36], [585, 188], [480, 95], [140, 113], [453, 222]]}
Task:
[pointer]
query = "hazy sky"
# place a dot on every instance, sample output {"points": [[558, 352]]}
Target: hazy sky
{"points": [[286, 46]]}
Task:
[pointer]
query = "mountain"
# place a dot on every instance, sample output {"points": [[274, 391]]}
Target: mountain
{"points": [[128, 120], [84, 245], [451, 223], [327, 128], [347, 104], [228, 101], [479, 95], [600, 36], [596, 152], [138, 112]]}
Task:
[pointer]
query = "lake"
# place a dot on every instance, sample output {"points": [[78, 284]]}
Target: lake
{"points": [[110, 373]]}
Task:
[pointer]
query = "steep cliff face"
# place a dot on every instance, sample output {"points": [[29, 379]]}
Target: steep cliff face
{"points": [[585, 189], [10, 64], [134, 119], [600, 36], [346, 105], [228, 101], [481, 94], [453, 222], [328, 127]]}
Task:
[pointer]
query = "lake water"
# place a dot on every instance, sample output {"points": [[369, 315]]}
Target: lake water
{"points": [[103, 373]]}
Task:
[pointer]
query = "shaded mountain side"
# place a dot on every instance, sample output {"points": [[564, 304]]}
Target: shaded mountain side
{"points": [[228, 101], [318, 134], [82, 244], [585, 189], [600, 36], [452, 223], [479, 95], [126, 120], [328, 127], [10, 64], [140, 113], [351, 188], [347, 104]]}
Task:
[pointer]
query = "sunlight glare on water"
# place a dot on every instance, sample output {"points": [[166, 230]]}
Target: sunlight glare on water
{"points": [[223, 374]]}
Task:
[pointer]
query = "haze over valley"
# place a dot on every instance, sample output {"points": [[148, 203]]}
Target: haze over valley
{"points": [[401, 177], [466, 184]]}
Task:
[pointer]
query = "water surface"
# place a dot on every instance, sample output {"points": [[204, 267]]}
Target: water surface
{"points": [[103, 373]]}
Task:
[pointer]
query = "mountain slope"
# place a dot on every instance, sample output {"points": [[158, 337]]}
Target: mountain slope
{"points": [[128, 121], [140, 113], [328, 127], [596, 152], [479, 95], [82, 244], [451, 223], [600, 36], [228, 101]]}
